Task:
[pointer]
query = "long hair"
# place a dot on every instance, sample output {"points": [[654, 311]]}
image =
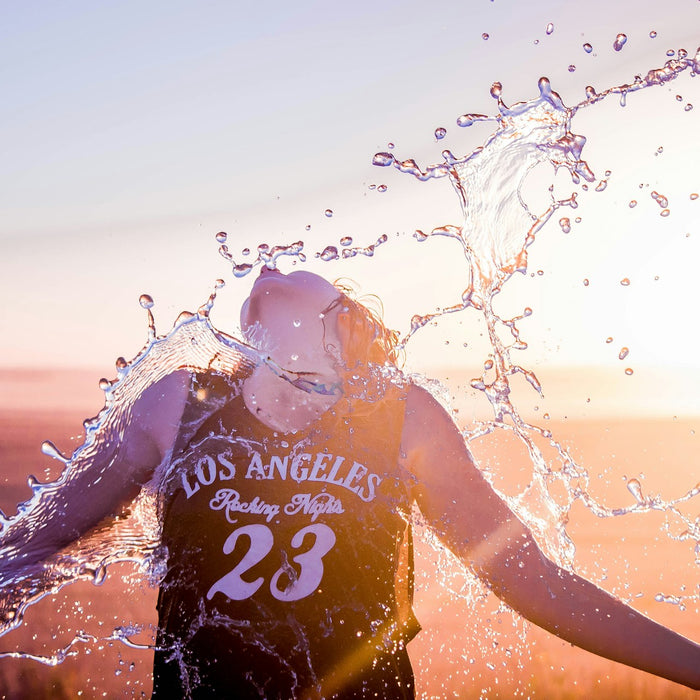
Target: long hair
{"points": [[365, 340]]}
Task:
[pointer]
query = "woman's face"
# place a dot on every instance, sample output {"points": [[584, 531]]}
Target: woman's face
{"points": [[287, 317]]}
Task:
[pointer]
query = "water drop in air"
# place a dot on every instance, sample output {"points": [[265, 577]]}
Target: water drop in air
{"points": [[549, 28], [633, 203], [625, 282], [381, 188], [221, 237], [146, 301], [688, 107], [629, 371], [382, 159], [565, 225], [484, 36], [440, 133], [242, 270], [623, 353], [652, 34], [620, 41], [572, 68], [328, 253], [328, 213], [587, 48], [346, 241]]}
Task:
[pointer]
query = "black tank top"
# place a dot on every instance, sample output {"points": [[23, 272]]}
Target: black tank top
{"points": [[289, 565]]}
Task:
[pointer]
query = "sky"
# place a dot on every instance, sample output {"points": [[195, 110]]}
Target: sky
{"points": [[132, 132]]}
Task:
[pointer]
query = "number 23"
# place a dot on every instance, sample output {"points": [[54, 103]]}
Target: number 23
{"points": [[261, 542]]}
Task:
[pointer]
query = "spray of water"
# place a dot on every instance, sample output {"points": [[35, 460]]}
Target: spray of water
{"points": [[497, 228]]}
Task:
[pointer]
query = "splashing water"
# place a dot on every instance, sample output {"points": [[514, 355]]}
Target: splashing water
{"points": [[496, 230]]}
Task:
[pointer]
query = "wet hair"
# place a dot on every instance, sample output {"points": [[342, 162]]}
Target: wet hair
{"points": [[365, 340]]}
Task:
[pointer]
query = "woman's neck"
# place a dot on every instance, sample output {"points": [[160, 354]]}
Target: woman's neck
{"points": [[285, 405]]}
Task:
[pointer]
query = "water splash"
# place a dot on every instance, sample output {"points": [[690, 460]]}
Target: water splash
{"points": [[496, 230]]}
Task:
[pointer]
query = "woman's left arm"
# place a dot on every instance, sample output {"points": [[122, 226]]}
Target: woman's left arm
{"points": [[477, 525]]}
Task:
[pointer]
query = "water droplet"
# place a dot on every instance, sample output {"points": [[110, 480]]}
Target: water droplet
{"points": [[609, 339], [246, 251], [679, 98], [578, 219], [485, 36], [440, 133], [328, 253], [623, 353], [659, 151], [390, 145], [49, 449], [652, 34], [346, 240], [565, 224], [586, 282], [540, 272], [382, 159], [694, 196], [328, 213], [670, 53], [549, 28], [242, 270], [572, 68], [420, 236], [665, 212], [620, 41], [660, 199], [146, 301], [587, 48], [629, 371], [372, 187], [104, 384], [601, 185], [381, 188], [688, 107], [121, 363], [221, 237], [625, 282], [635, 488], [633, 203], [590, 91], [296, 323], [496, 90]]}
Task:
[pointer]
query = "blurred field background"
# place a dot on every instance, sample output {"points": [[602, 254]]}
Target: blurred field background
{"points": [[468, 648]]}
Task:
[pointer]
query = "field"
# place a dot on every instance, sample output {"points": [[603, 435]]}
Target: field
{"points": [[469, 647]]}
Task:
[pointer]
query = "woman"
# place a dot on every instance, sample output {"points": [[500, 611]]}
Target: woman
{"points": [[286, 499]]}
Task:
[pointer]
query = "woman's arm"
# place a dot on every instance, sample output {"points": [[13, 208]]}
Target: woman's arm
{"points": [[94, 490], [480, 528]]}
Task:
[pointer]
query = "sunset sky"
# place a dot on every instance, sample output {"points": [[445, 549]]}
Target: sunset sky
{"points": [[133, 132]]}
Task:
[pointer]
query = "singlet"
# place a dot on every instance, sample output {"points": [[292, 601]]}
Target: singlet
{"points": [[289, 562]]}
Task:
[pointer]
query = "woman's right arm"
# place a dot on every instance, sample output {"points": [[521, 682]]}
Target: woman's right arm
{"points": [[92, 491]]}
